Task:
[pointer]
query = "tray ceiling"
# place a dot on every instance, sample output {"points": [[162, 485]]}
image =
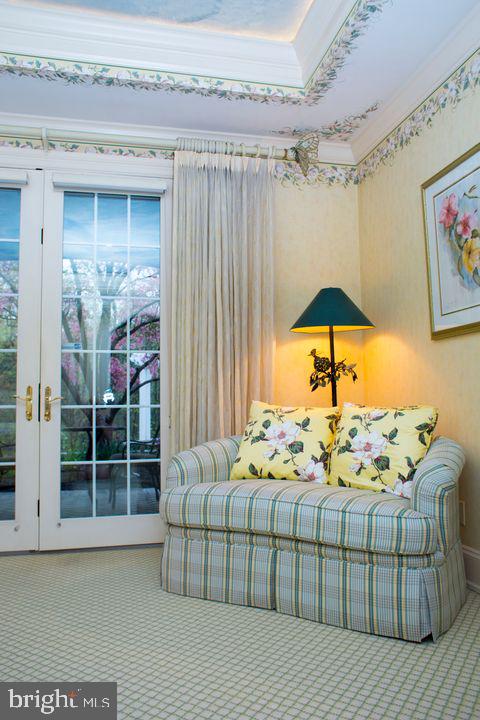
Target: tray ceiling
{"points": [[276, 19], [354, 69]]}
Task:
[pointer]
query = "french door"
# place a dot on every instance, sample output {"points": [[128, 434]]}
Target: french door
{"points": [[90, 300], [21, 208]]}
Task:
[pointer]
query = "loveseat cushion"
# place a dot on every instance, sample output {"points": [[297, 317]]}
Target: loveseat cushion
{"points": [[343, 517], [329, 552]]}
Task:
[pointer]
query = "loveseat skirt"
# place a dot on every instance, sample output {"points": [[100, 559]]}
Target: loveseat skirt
{"points": [[383, 595]]}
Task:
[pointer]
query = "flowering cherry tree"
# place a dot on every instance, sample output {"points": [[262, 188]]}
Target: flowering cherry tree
{"points": [[112, 311]]}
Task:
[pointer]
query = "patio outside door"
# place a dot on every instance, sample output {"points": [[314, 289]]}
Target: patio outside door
{"points": [[84, 471]]}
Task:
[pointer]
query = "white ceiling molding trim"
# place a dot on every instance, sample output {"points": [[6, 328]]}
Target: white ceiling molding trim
{"points": [[77, 71], [286, 171], [344, 43], [45, 52], [310, 44], [160, 145], [121, 139], [270, 19], [50, 32], [120, 131]]}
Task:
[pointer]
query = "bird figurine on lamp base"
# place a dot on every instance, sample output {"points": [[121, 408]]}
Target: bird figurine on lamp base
{"points": [[331, 310], [324, 372]]}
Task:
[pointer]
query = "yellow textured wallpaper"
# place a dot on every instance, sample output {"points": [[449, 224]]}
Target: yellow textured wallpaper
{"points": [[316, 246], [402, 363]]}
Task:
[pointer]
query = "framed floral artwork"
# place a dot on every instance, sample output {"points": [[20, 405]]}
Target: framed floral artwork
{"points": [[451, 202]]}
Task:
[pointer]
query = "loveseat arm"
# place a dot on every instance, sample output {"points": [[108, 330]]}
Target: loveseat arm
{"points": [[208, 462], [435, 489]]}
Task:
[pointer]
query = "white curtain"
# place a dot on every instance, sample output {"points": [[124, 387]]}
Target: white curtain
{"points": [[222, 292]]}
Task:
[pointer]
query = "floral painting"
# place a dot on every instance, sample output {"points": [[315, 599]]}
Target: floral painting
{"points": [[458, 231], [452, 218]]}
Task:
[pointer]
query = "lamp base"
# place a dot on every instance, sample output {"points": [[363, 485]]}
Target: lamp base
{"points": [[328, 371], [333, 378]]}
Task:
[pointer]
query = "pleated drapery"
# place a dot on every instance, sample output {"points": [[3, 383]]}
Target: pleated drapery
{"points": [[222, 293]]}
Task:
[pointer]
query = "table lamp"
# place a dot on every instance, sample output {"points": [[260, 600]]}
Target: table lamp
{"points": [[331, 310]]}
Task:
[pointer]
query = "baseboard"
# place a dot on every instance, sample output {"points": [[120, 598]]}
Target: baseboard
{"points": [[471, 557]]}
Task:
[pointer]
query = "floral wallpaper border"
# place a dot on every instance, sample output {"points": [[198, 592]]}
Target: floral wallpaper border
{"points": [[464, 80], [338, 129], [116, 150], [342, 46], [7, 141], [289, 173], [77, 72]]}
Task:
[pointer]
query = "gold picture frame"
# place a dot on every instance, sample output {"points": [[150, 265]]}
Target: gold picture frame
{"points": [[451, 218]]}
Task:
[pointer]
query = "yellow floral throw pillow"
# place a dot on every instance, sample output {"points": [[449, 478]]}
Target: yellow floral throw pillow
{"points": [[379, 448], [286, 443]]}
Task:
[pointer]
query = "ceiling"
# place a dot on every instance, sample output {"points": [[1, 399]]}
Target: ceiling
{"points": [[351, 70], [275, 19]]}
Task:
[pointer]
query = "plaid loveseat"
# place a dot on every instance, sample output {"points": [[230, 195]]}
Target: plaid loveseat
{"points": [[367, 561]]}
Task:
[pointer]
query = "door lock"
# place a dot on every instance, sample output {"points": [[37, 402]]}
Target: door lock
{"points": [[28, 400], [47, 414]]}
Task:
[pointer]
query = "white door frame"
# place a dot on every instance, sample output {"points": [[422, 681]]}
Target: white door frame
{"points": [[15, 162], [22, 532], [57, 532]]}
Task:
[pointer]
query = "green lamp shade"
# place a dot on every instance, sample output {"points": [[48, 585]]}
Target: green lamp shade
{"points": [[331, 307]]}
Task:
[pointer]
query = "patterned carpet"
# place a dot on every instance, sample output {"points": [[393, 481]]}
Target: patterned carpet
{"points": [[101, 615]]}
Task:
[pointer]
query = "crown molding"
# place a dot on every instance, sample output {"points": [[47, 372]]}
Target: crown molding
{"points": [[31, 142], [72, 35], [452, 53], [45, 52], [318, 31], [126, 132], [145, 137], [336, 162]]}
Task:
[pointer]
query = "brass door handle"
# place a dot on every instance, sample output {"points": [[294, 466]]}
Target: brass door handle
{"points": [[28, 400], [47, 414]]}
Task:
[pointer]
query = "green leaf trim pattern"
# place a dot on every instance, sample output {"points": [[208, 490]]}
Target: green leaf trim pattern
{"points": [[87, 148], [290, 173], [337, 130], [463, 81], [455, 88]]}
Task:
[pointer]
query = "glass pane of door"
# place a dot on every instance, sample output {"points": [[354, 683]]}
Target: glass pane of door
{"points": [[9, 266], [110, 366]]}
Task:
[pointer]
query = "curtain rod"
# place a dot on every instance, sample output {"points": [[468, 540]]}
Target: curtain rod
{"points": [[47, 135]]}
